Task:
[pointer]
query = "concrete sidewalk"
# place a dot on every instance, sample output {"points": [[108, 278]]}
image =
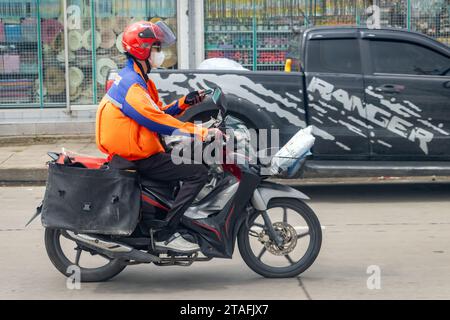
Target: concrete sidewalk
{"points": [[23, 160]]}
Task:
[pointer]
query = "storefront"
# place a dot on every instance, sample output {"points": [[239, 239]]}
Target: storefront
{"points": [[32, 47], [37, 71], [256, 33]]}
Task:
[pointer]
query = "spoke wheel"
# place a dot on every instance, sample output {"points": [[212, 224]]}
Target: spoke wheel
{"points": [[301, 235], [65, 254]]}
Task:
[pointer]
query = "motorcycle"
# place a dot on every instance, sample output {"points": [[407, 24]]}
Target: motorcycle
{"points": [[277, 233]]}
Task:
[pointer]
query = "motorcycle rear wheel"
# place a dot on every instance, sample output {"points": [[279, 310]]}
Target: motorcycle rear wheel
{"points": [[314, 233], [63, 264]]}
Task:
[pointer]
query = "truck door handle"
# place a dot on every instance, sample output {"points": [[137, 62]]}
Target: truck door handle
{"points": [[390, 88]]}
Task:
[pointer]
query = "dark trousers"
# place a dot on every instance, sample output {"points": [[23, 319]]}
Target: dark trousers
{"points": [[194, 176]]}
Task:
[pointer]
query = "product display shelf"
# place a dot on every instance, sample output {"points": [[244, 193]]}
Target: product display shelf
{"points": [[258, 49]]}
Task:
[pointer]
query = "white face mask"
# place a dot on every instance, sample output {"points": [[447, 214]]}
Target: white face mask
{"points": [[157, 59]]}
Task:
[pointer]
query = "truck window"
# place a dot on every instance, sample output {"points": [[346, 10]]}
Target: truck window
{"points": [[407, 58], [334, 56]]}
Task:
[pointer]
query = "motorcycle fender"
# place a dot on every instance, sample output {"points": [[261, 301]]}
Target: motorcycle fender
{"points": [[269, 190]]}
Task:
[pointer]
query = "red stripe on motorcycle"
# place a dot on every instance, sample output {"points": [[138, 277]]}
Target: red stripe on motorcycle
{"points": [[233, 169], [228, 219], [209, 228], [153, 202]]}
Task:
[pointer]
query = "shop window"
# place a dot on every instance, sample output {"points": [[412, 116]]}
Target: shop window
{"points": [[94, 37], [116, 15], [18, 53], [256, 34], [52, 44]]}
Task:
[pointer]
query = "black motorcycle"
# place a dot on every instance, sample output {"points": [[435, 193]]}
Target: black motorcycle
{"points": [[278, 234]]}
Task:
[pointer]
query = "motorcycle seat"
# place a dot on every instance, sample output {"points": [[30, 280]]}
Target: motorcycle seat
{"points": [[162, 190]]}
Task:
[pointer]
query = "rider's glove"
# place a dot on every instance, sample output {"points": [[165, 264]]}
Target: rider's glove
{"points": [[195, 97]]}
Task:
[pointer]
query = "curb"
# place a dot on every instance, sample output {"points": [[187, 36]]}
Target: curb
{"points": [[41, 139], [23, 175], [38, 176]]}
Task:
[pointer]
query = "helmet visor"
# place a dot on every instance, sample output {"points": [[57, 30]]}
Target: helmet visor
{"points": [[167, 36]]}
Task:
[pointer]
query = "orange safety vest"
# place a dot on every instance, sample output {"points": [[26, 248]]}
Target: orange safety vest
{"points": [[131, 115]]}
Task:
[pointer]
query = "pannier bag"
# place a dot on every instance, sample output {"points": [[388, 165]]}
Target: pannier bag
{"points": [[103, 201]]}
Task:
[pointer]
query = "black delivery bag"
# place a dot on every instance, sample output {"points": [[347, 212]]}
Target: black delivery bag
{"points": [[98, 201]]}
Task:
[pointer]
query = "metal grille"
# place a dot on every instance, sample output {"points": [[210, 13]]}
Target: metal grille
{"points": [[18, 52], [233, 41], [432, 18], [111, 20], [266, 24], [32, 63], [80, 53], [102, 51], [53, 89], [253, 33], [274, 20]]}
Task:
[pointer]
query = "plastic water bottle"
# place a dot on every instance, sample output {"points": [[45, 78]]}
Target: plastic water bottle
{"points": [[293, 152]]}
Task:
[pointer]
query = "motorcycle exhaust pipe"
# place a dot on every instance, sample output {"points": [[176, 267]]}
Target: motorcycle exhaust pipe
{"points": [[112, 249]]}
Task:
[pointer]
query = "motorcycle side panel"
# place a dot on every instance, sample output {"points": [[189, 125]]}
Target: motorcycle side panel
{"points": [[217, 234], [212, 205]]}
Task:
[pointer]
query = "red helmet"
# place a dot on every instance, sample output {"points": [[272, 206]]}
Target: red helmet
{"points": [[139, 37]]}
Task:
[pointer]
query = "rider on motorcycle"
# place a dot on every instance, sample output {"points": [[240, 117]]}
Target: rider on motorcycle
{"points": [[131, 116]]}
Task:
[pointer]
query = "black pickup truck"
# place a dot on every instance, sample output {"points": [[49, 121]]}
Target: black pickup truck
{"points": [[379, 100]]}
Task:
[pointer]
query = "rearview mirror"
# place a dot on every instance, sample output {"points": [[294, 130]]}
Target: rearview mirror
{"points": [[219, 100]]}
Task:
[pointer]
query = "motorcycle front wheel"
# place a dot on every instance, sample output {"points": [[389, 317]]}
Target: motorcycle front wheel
{"points": [[300, 230], [65, 254]]}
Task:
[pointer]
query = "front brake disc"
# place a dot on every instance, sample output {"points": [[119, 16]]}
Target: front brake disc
{"points": [[289, 235]]}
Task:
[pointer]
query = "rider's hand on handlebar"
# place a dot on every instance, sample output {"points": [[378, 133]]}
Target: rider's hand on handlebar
{"points": [[195, 97]]}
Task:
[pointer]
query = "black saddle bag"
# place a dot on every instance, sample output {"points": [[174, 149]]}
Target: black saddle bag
{"points": [[100, 201]]}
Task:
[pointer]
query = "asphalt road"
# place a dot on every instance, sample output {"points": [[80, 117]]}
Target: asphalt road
{"points": [[400, 232]]}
